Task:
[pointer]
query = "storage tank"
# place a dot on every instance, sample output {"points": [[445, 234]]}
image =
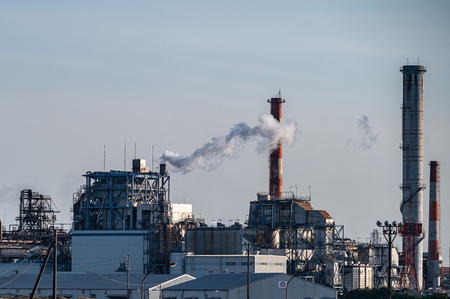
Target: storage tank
{"points": [[178, 257]]}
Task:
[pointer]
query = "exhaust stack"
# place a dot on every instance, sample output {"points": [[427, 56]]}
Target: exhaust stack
{"points": [[433, 227], [412, 185], [276, 160]]}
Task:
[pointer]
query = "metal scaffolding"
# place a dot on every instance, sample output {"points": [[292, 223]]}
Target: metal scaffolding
{"points": [[130, 200], [318, 247], [111, 200], [310, 237], [36, 214]]}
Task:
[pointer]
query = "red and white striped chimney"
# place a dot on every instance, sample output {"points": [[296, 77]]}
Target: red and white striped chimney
{"points": [[276, 159], [433, 274]]}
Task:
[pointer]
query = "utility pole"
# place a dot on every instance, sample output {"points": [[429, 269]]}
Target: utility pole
{"points": [[390, 230], [128, 276], [55, 263], [248, 247]]}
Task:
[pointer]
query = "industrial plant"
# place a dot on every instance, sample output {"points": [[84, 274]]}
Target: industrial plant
{"points": [[125, 223]]}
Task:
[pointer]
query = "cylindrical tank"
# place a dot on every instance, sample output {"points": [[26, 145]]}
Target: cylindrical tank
{"points": [[178, 257]]}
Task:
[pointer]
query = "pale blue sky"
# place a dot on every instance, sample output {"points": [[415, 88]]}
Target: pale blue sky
{"points": [[77, 75]]}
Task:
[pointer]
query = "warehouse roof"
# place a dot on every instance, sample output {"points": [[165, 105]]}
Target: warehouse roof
{"points": [[87, 281], [221, 281]]}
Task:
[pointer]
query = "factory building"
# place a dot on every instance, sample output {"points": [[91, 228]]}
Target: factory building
{"points": [[92, 285], [358, 277], [367, 264], [263, 286], [201, 265], [126, 217]]}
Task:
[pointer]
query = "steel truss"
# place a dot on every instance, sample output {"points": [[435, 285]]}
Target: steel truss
{"points": [[319, 247], [108, 200], [36, 213]]}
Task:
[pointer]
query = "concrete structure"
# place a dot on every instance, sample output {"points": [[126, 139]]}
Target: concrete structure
{"points": [[91, 285], [234, 286], [201, 265], [412, 185], [433, 275]]}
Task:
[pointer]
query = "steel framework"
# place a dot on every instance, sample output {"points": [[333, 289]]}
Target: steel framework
{"points": [[108, 201], [309, 245], [318, 247], [129, 200], [36, 212], [409, 278]]}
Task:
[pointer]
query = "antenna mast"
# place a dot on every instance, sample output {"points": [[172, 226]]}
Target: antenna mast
{"points": [[125, 156], [153, 156]]}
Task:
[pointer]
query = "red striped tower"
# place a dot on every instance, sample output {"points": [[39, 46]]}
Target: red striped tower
{"points": [[433, 275]]}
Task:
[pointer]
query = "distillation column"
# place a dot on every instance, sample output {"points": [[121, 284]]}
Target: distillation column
{"points": [[412, 147], [433, 227], [276, 160]]}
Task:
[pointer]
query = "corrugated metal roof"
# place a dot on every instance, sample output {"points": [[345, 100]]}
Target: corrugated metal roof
{"points": [[305, 205], [85, 281], [325, 214], [221, 281]]}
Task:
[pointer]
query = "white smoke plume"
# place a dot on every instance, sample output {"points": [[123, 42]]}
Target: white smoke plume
{"points": [[368, 138], [211, 155]]}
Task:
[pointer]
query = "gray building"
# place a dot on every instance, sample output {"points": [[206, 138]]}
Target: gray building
{"points": [[201, 265], [91, 285], [234, 286]]}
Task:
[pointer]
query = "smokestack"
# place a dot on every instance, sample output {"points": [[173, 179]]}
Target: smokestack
{"points": [[433, 227], [412, 185], [276, 160]]}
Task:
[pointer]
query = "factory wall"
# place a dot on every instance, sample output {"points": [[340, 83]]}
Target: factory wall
{"points": [[102, 251], [201, 265], [210, 240]]}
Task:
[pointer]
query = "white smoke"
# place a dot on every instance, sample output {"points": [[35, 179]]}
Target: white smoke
{"points": [[368, 138], [211, 155]]}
